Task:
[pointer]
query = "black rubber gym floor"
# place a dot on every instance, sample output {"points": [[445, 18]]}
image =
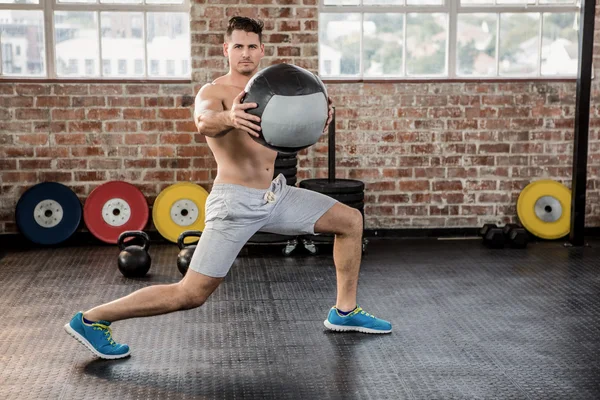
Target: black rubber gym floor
{"points": [[469, 323]]}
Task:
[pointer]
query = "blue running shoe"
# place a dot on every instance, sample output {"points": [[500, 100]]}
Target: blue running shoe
{"points": [[358, 321], [97, 337]]}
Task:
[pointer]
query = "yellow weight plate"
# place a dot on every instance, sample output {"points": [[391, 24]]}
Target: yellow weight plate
{"points": [[544, 209], [178, 208]]}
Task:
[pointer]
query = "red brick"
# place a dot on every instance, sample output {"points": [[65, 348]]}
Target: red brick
{"points": [[68, 114], [481, 185], [105, 164], [32, 89], [141, 89], [173, 163], [71, 89], [121, 126], [141, 138], [103, 113], [6, 165], [90, 176], [447, 186], [106, 89], [176, 138], [52, 101], [161, 126], [33, 139], [85, 126], [494, 148], [70, 138], [10, 102], [124, 101], [193, 176], [71, 163], [414, 186], [32, 113], [18, 177], [141, 163], [52, 152], [87, 151], [160, 101], [185, 126], [159, 151], [174, 113], [89, 101]]}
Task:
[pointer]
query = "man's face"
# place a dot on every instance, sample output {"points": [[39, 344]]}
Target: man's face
{"points": [[244, 51]]}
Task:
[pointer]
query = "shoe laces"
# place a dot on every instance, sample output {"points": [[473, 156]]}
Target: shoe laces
{"points": [[107, 332], [359, 310]]}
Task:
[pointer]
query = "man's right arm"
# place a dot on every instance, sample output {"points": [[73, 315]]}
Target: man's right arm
{"points": [[210, 117]]}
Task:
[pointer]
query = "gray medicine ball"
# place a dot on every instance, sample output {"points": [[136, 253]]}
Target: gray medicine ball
{"points": [[292, 105]]}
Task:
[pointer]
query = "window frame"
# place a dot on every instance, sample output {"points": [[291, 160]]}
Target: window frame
{"points": [[49, 6], [452, 8]]}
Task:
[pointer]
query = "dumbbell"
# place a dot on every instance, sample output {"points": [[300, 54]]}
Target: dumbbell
{"points": [[516, 236], [492, 236]]}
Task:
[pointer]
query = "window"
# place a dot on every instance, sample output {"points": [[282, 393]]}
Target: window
{"points": [[93, 38], [395, 39]]}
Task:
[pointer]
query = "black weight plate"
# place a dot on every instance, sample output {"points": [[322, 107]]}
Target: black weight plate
{"points": [[288, 172], [267, 237], [284, 156], [338, 186], [358, 205], [291, 181], [48, 213], [348, 198], [286, 163]]}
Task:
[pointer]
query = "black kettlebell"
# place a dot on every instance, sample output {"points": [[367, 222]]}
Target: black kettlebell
{"points": [[134, 261], [187, 250]]}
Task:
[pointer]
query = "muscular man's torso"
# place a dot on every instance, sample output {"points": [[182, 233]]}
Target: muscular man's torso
{"points": [[239, 158]]}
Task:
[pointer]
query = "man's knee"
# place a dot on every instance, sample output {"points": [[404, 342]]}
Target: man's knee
{"points": [[352, 223], [195, 288]]}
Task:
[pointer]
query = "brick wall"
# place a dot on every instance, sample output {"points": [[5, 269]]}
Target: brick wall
{"points": [[433, 154]]}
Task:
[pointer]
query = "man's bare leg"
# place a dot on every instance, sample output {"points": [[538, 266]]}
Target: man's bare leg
{"points": [[347, 225], [192, 291]]}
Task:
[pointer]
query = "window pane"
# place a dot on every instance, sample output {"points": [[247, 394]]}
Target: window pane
{"points": [[76, 1], [560, 48], [382, 44], [22, 43], [426, 38], [519, 47], [383, 2], [168, 38], [470, 2], [122, 41], [341, 2], [19, 1], [424, 2], [164, 1], [515, 2], [76, 37], [339, 44], [557, 1], [476, 44], [121, 1]]}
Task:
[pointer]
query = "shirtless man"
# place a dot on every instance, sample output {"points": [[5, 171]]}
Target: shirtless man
{"points": [[245, 198]]}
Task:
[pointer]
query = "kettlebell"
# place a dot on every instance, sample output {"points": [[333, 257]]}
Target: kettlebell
{"points": [[187, 250], [134, 261]]}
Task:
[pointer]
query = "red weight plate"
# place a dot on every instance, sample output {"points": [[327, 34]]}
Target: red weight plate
{"points": [[113, 208]]}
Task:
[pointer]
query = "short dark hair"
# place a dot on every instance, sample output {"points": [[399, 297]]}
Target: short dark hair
{"points": [[245, 24]]}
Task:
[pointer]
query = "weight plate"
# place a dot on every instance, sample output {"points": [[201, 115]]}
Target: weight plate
{"points": [[544, 209], [348, 198], [288, 172], [48, 213], [291, 181], [335, 187], [358, 205], [179, 208], [286, 163], [286, 156], [113, 208]]}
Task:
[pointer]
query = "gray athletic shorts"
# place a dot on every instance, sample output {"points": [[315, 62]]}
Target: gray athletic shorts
{"points": [[234, 213]]}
